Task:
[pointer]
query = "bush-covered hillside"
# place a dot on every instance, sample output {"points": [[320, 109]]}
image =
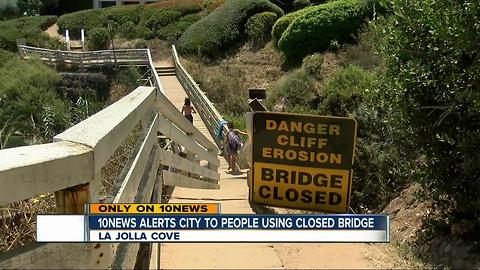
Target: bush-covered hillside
{"points": [[157, 20], [223, 27], [410, 80], [28, 28], [315, 28]]}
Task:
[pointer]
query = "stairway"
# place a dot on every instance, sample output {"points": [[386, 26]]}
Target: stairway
{"points": [[165, 71]]}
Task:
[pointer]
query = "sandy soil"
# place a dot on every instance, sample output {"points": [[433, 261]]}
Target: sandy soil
{"points": [[52, 31]]}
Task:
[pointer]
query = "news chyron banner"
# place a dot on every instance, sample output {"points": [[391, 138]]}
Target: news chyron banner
{"points": [[302, 161], [203, 223]]}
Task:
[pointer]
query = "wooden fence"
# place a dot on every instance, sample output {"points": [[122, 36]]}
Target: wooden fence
{"points": [[70, 167]]}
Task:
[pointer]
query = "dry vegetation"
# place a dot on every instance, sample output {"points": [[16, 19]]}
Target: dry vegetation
{"points": [[174, 4], [18, 221], [236, 74]]}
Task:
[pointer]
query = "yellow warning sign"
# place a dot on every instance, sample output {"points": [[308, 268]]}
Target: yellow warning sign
{"points": [[302, 161]]}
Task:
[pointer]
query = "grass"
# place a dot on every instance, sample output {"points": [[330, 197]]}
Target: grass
{"points": [[28, 28]]}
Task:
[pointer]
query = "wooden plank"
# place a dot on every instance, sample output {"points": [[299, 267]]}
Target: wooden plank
{"points": [[170, 159], [107, 129], [126, 253], [174, 179], [131, 182], [38, 169], [174, 133], [174, 115], [49, 256]]}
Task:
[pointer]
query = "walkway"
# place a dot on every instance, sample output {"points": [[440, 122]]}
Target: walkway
{"points": [[233, 197]]}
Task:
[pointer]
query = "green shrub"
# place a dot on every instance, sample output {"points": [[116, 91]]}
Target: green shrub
{"points": [[173, 31], [93, 18], [85, 19], [433, 74], [299, 4], [162, 18], [316, 27], [83, 85], [99, 39], [211, 5], [191, 18], [344, 91], [5, 56], [313, 65], [223, 27], [121, 14], [26, 89], [129, 77], [128, 30], [9, 12], [282, 24], [29, 28], [259, 26], [297, 88], [192, 9]]}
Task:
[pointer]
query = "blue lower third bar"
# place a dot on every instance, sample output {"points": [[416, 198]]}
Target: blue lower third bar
{"points": [[239, 222]]}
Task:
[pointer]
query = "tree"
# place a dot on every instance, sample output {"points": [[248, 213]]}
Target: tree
{"points": [[433, 70], [29, 7]]}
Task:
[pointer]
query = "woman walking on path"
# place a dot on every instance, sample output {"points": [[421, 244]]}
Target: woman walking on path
{"points": [[233, 143], [188, 109]]}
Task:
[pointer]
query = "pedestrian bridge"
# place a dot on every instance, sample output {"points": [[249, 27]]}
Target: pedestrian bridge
{"points": [[170, 151]]}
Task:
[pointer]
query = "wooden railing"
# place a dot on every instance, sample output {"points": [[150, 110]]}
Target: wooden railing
{"points": [[71, 166], [209, 114], [89, 58]]}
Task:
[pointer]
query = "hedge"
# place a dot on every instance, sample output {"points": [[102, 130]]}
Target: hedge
{"points": [[260, 25], [121, 16], [282, 24], [318, 26], [29, 28], [85, 19], [223, 27], [92, 18], [174, 30], [98, 39], [160, 18]]}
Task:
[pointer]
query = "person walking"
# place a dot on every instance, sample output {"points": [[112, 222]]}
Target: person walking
{"points": [[188, 109], [233, 143]]}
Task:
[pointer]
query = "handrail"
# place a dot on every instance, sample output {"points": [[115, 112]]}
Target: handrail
{"points": [[210, 115], [73, 162], [131, 56], [207, 110]]}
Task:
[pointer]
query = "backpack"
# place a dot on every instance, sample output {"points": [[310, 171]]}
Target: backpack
{"points": [[233, 141]]}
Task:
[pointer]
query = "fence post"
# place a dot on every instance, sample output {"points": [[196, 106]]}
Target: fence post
{"points": [[72, 200]]}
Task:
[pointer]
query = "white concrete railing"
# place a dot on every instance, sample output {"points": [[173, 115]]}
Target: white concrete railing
{"points": [[71, 166]]}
